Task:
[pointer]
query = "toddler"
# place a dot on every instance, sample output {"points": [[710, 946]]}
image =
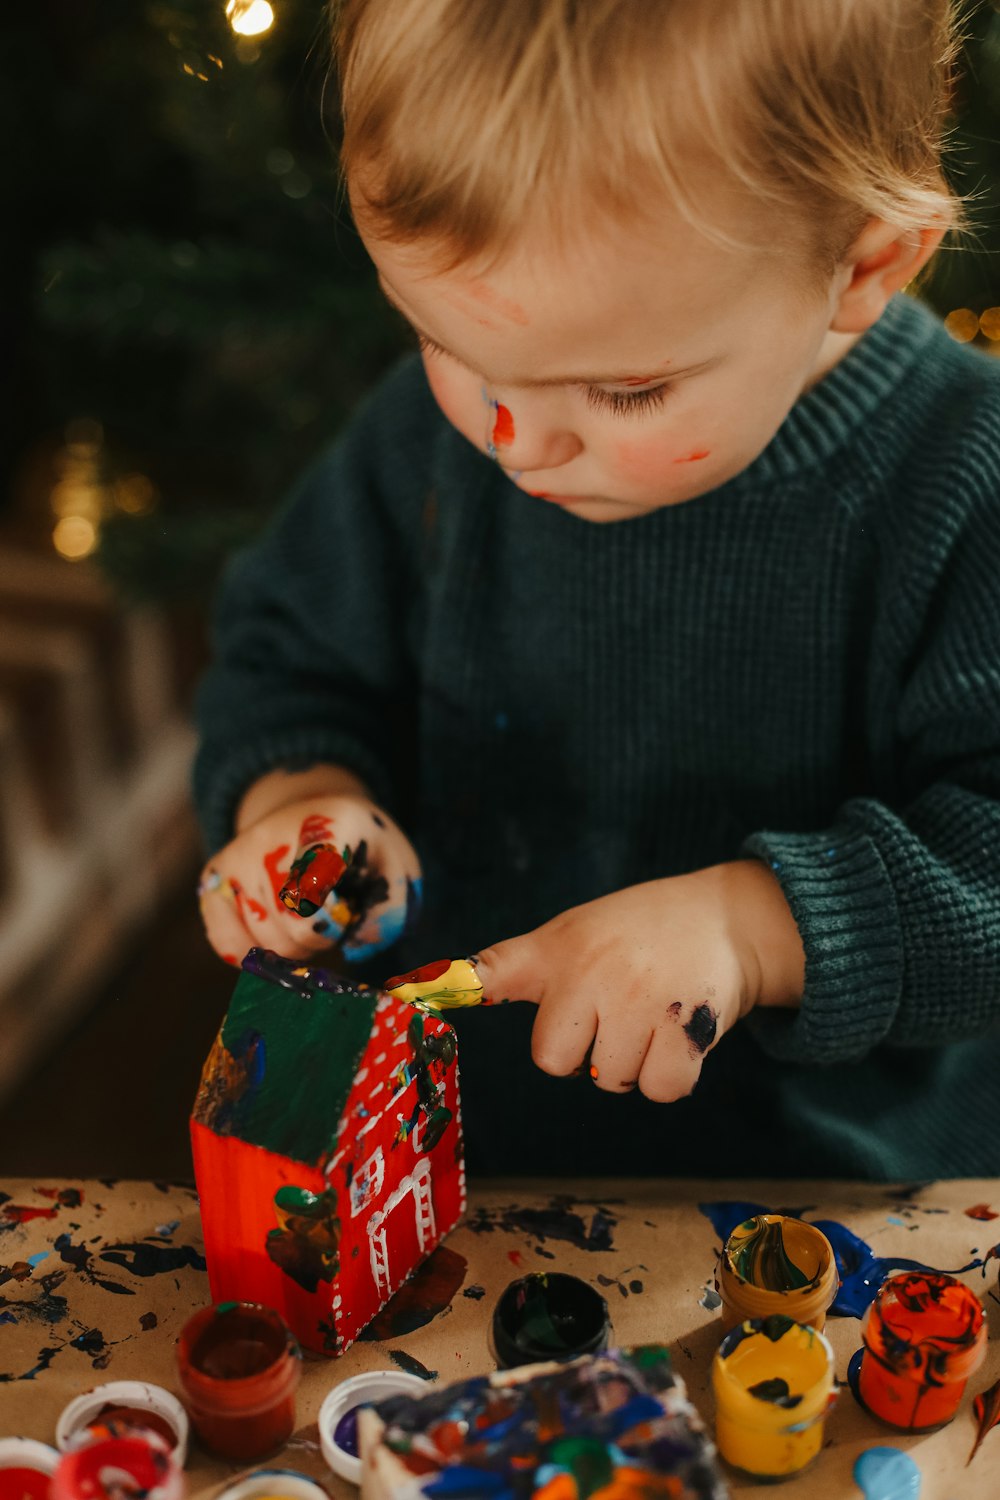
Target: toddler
{"points": [[648, 620]]}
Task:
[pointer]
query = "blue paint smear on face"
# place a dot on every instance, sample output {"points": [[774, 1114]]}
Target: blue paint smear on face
{"points": [[862, 1272], [887, 1474]]}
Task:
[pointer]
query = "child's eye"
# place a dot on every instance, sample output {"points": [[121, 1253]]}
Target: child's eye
{"points": [[428, 346], [625, 403]]}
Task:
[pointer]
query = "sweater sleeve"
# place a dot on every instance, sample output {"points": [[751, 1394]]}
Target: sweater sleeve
{"points": [[311, 660], [898, 900]]}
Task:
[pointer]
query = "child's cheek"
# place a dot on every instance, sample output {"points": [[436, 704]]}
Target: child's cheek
{"points": [[651, 459], [455, 394]]}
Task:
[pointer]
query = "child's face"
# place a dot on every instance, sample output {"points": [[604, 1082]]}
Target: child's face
{"points": [[639, 374]]}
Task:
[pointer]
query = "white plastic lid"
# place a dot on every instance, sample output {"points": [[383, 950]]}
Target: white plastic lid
{"points": [[27, 1453], [377, 1385], [136, 1395], [282, 1484]]}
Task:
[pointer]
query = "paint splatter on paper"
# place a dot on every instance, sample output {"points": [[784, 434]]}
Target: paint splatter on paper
{"points": [[861, 1271], [986, 1409], [411, 1365], [427, 1293], [558, 1221]]}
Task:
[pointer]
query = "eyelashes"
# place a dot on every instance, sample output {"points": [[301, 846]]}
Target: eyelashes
{"points": [[625, 403], [617, 403]]}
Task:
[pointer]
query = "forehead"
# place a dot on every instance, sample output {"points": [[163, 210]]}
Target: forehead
{"points": [[618, 302]]}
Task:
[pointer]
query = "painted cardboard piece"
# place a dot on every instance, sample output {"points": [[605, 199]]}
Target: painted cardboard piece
{"points": [[611, 1426], [327, 1147]]}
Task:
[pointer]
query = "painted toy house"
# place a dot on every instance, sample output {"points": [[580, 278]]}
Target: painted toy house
{"points": [[327, 1147]]}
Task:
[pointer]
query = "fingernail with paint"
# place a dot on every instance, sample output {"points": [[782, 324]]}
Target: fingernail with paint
{"points": [[446, 984], [313, 877]]}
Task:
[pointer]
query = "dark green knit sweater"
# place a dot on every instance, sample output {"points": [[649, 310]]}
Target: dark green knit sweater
{"points": [[803, 665]]}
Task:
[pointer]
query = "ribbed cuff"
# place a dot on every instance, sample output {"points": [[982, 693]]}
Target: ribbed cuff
{"points": [[842, 899]]}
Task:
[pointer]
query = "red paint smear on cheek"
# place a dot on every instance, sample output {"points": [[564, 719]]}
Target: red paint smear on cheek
{"points": [[693, 458], [277, 873], [503, 428], [22, 1215]]}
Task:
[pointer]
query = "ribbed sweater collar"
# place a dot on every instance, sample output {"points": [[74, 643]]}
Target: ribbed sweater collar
{"points": [[825, 418]]}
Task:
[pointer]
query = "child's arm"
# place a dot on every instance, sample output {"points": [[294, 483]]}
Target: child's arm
{"points": [[895, 901], [309, 703], [647, 980]]}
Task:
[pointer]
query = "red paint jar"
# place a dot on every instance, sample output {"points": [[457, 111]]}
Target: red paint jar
{"points": [[924, 1335], [26, 1469], [106, 1463], [239, 1368]]}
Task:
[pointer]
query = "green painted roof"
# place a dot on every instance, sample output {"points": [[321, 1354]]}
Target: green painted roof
{"points": [[291, 1045]]}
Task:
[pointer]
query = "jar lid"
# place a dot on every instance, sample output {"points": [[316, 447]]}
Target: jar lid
{"points": [[279, 1484], [117, 1400], [27, 1453], [337, 1441], [548, 1315]]}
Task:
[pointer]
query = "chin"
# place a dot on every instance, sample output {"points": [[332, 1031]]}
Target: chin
{"points": [[604, 512]]}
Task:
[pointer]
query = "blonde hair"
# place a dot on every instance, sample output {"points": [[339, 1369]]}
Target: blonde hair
{"points": [[466, 120]]}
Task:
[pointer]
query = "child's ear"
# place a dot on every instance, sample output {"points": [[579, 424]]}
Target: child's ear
{"points": [[880, 262]]}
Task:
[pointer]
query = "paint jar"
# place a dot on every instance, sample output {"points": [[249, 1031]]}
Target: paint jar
{"points": [[239, 1368], [115, 1463], [274, 1484], [338, 1416], [548, 1315], [774, 1384], [924, 1335], [26, 1469], [127, 1403], [772, 1264]]}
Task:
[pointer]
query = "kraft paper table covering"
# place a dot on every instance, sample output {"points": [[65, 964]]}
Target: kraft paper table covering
{"points": [[126, 1260]]}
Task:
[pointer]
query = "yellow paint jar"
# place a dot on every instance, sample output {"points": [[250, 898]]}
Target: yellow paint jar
{"points": [[772, 1264], [773, 1383]]}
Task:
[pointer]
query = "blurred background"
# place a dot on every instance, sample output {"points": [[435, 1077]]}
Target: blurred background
{"points": [[188, 317]]}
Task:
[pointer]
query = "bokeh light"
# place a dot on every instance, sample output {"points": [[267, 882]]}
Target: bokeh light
{"points": [[74, 537], [250, 17], [962, 324]]}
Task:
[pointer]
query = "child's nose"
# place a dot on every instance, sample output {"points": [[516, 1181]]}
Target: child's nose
{"points": [[520, 440]]}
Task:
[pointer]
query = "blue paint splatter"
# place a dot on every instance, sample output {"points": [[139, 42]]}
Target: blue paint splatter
{"points": [[887, 1474], [34, 1259], [862, 1272]]}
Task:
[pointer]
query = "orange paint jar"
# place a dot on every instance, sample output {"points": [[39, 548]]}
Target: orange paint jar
{"points": [[776, 1266], [239, 1368], [924, 1335]]}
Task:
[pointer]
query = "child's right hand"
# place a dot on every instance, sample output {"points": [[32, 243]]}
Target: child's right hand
{"points": [[375, 897]]}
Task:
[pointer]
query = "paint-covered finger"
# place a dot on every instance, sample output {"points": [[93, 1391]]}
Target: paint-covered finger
{"points": [[670, 1068], [312, 878], [446, 984], [224, 926], [616, 1058]]}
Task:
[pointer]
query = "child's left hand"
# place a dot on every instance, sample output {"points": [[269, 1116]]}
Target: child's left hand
{"points": [[648, 979]]}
